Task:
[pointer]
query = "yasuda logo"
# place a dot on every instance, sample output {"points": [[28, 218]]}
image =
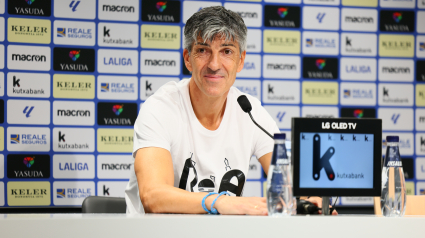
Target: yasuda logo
{"points": [[61, 32], [397, 16], [60, 193], [358, 113], [104, 87], [282, 11], [74, 54], [14, 139], [29, 161], [27, 111], [161, 6], [322, 162], [118, 109], [320, 63], [73, 5], [395, 117], [30, 1]]}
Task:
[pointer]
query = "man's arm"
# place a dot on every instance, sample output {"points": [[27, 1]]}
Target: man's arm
{"points": [[155, 177]]}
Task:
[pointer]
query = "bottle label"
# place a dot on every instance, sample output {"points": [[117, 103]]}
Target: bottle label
{"points": [[282, 162], [393, 157], [279, 156]]}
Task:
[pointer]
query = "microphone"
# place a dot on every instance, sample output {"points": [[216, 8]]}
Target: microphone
{"points": [[246, 107], [306, 207]]}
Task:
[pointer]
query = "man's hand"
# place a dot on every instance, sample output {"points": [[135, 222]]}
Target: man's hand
{"points": [[318, 202], [229, 205]]}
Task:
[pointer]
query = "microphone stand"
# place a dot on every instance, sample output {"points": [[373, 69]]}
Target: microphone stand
{"points": [[249, 113]]}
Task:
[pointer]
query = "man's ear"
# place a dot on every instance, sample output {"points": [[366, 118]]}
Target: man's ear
{"points": [[186, 60], [242, 61]]}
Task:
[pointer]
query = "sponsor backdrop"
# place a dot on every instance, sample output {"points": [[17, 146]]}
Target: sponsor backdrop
{"points": [[75, 72]]}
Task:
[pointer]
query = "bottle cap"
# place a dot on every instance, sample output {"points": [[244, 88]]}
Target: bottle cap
{"points": [[392, 139], [279, 136]]}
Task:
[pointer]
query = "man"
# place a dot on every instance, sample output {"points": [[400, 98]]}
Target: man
{"points": [[192, 137]]}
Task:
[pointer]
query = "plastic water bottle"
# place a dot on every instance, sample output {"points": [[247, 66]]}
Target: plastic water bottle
{"points": [[280, 200], [393, 196]]}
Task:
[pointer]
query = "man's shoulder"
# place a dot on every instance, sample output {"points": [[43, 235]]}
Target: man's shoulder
{"points": [[168, 95]]}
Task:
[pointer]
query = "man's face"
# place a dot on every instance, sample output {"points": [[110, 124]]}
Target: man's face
{"points": [[214, 65]]}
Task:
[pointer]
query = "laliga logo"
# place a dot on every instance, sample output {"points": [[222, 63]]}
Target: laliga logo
{"points": [[341, 125]]}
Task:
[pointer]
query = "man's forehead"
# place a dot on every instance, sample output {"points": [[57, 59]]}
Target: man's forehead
{"points": [[217, 39]]}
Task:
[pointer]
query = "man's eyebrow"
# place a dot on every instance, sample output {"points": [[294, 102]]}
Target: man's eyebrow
{"points": [[228, 44], [202, 43]]}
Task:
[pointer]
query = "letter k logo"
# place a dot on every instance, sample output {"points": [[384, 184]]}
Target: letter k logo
{"points": [[148, 86], [270, 88], [347, 41], [320, 16], [16, 82], [105, 190], [323, 162], [61, 137], [386, 92], [106, 31]]}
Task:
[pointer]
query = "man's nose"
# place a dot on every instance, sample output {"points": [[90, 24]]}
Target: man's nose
{"points": [[214, 63]]}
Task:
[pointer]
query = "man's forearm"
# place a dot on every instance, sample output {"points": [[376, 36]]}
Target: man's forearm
{"points": [[169, 199]]}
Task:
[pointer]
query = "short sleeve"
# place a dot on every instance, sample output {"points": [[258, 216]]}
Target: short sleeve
{"points": [[154, 126]]}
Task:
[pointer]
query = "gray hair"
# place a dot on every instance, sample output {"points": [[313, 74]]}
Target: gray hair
{"points": [[215, 21]]}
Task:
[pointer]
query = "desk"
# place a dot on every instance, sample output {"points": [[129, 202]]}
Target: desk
{"points": [[161, 225]]}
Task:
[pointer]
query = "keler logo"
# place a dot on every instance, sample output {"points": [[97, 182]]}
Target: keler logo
{"points": [[319, 163]]}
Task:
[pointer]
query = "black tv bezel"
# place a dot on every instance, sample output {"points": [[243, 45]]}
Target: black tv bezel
{"points": [[314, 125]]}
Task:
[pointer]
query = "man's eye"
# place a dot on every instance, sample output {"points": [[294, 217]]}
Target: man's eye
{"points": [[201, 50], [227, 52]]}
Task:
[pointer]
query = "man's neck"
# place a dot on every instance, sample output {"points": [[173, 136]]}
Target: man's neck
{"points": [[208, 110]]}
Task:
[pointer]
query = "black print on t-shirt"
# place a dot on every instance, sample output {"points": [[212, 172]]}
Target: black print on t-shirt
{"points": [[185, 174], [208, 185]]}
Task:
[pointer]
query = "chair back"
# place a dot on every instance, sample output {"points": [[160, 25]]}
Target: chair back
{"points": [[94, 204], [415, 205]]}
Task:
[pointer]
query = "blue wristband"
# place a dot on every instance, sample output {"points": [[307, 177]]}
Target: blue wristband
{"points": [[213, 210], [203, 202]]}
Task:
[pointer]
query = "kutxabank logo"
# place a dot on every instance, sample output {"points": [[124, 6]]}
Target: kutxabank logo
{"points": [[159, 11], [322, 162], [71, 59]]}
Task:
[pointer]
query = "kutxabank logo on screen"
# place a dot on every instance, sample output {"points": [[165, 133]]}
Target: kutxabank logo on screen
{"points": [[322, 162]]}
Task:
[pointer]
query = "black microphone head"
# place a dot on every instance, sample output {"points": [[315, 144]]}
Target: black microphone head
{"points": [[244, 103]]}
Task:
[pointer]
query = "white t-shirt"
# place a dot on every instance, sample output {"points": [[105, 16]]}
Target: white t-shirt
{"points": [[203, 160]]}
